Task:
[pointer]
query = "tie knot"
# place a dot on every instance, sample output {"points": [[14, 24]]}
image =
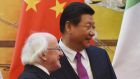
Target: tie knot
{"points": [[78, 56]]}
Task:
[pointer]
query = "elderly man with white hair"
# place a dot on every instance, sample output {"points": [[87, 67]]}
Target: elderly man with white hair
{"points": [[40, 55]]}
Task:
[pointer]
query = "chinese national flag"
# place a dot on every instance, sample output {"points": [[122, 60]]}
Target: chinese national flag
{"points": [[37, 16]]}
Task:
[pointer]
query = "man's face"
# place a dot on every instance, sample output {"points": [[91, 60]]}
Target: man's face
{"points": [[53, 55], [82, 33]]}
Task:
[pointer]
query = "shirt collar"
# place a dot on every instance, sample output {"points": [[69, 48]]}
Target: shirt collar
{"points": [[84, 54], [42, 68], [70, 54]]}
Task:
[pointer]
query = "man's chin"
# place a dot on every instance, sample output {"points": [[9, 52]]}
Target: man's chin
{"points": [[86, 44], [58, 65]]}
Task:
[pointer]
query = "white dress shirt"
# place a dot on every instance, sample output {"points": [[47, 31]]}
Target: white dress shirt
{"points": [[70, 54], [42, 68]]}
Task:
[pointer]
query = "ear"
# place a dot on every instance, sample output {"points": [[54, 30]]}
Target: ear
{"points": [[68, 27], [43, 56]]}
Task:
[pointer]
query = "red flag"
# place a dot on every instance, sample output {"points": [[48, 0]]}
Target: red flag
{"points": [[37, 16]]}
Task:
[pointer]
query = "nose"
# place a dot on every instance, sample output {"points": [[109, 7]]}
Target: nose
{"points": [[91, 32], [61, 53]]}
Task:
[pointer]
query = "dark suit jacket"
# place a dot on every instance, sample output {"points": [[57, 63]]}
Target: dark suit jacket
{"points": [[33, 72], [99, 62]]}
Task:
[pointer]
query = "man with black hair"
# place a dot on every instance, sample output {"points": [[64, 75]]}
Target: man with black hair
{"points": [[81, 60]]}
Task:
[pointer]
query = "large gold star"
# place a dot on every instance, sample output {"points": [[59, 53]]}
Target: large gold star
{"points": [[58, 8], [31, 4]]}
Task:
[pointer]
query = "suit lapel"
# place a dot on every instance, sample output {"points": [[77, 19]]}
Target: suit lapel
{"points": [[98, 62], [67, 68], [92, 54]]}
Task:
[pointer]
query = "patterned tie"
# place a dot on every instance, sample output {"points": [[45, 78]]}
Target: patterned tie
{"points": [[82, 73]]}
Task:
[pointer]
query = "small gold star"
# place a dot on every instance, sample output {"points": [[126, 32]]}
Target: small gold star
{"points": [[31, 4], [58, 8]]}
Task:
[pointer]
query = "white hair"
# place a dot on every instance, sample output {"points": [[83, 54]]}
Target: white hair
{"points": [[34, 46]]}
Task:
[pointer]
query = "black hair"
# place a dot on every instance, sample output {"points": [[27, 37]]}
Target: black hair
{"points": [[73, 13]]}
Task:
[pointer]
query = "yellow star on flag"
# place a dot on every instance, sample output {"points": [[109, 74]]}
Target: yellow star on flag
{"points": [[31, 4], [58, 8]]}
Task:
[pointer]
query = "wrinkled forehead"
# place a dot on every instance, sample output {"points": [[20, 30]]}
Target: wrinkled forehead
{"points": [[52, 43]]}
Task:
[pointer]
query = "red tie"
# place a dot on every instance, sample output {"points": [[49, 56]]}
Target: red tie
{"points": [[82, 73]]}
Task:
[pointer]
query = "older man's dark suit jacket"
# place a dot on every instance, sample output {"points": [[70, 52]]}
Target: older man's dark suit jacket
{"points": [[99, 62], [33, 72]]}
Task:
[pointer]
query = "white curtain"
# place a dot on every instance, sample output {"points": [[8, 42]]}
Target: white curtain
{"points": [[1, 75]]}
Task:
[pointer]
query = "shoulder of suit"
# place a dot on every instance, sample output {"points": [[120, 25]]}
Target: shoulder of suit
{"points": [[96, 49]]}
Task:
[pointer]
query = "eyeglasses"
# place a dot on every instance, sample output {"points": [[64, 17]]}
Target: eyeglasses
{"points": [[59, 49]]}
